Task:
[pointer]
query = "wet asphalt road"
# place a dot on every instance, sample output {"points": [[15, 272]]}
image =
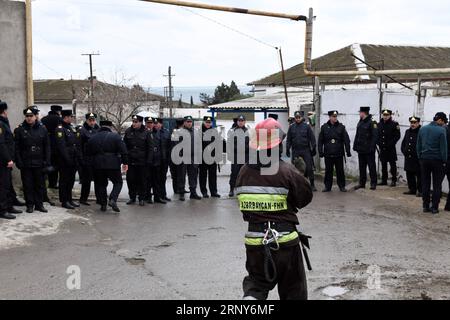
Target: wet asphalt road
{"points": [[194, 250]]}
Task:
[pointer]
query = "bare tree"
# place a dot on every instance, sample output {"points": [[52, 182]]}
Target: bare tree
{"points": [[119, 101]]}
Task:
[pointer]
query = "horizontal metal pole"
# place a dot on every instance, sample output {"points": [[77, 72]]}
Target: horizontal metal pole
{"points": [[377, 72], [229, 9]]}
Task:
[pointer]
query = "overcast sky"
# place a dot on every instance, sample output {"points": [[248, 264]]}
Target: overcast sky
{"points": [[142, 39]]}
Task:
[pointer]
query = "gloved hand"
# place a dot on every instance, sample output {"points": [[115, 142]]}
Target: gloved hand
{"points": [[321, 155], [349, 155]]}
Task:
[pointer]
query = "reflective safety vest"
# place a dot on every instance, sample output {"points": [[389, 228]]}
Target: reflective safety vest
{"points": [[264, 199]]}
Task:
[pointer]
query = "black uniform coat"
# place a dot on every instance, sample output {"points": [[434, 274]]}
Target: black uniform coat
{"points": [[301, 139], [334, 141], [51, 122], [409, 150], [236, 149], [32, 146], [366, 136], [388, 136], [136, 141], [165, 144], [68, 146], [107, 150], [86, 133], [6, 143]]}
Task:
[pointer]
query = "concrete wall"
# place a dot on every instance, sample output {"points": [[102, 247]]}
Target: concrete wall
{"points": [[13, 58]]}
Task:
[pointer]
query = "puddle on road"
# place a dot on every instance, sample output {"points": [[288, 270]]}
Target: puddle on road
{"points": [[333, 292], [135, 261]]}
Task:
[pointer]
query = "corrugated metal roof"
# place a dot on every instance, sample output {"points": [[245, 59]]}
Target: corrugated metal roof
{"points": [[380, 56]]}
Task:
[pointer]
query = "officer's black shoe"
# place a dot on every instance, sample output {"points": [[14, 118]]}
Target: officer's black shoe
{"points": [[7, 216], [157, 200], [373, 187], [114, 206], [85, 203], [426, 209], [74, 204], [326, 190], [67, 205], [18, 203], [41, 209], [13, 210], [216, 195], [30, 209], [393, 184], [132, 202], [195, 196], [167, 199], [205, 195], [182, 197], [103, 208], [447, 207], [383, 183], [231, 194], [409, 193], [343, 190], [435, 211], [142, 203]]}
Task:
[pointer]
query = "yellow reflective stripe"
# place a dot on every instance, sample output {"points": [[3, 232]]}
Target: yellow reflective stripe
{"points": [[259, 241], [263, 202]]}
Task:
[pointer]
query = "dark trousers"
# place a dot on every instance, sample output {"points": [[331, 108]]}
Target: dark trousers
{"points": [[173, 174], [291, 277], [153, 186], [414, 181], [162, 178], [384, 170], [330, 165], [136, 181], [235, 169], [101, 178], [53, 176], [208, 172], [192, 172], [4, 187], [432, 169], [66, 183], [11, 194], [448, 179], [86, 177], [367, 160], [33, 186]]}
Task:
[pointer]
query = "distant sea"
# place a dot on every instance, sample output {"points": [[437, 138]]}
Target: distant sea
{"points": [[186, 92]]}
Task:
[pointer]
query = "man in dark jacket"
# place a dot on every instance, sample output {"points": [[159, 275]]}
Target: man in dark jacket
{"points": [[173, 167], [136, 141], [68, 147], [6, 163], [238, 150], [159, 153], [108, 152], [165, 158], [432, 151], [51, 122], [32, 156], [365, 145], [208, 170], [412, 164], [388, 136], [302, 142], [334, 142], [447, 205], [269, 203], [87, 131], [9, 146]]}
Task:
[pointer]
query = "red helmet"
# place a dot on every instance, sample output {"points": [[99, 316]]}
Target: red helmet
{"points": [[266, 135]]}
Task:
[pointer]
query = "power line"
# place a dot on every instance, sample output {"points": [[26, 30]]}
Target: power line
{"points": [[49, 68]]}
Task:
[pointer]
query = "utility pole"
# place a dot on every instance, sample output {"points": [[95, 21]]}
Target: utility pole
{"points": [[283, 74], [91, 80], [170, 93]]}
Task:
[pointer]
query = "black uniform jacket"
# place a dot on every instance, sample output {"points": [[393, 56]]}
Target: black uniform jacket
{"points": [[136, 141], [32, 146], [107, 150], [68, 146], [334, 141], [409, 150], [388, 136], [366, 136]]}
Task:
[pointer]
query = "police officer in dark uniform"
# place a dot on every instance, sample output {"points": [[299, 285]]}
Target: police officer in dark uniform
{"points": [[208, 171], [173, 166], [136, 141], [8, 139], [412, 163], [447, 167], [6, 164], [87, 131], [165, 158], [302, 141], [388, 136], [32, 156], [108, 152], [190, 168], [51, 122], [365, 145], [236, 154], [334, 142], [68, 146], [159, 152]]}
